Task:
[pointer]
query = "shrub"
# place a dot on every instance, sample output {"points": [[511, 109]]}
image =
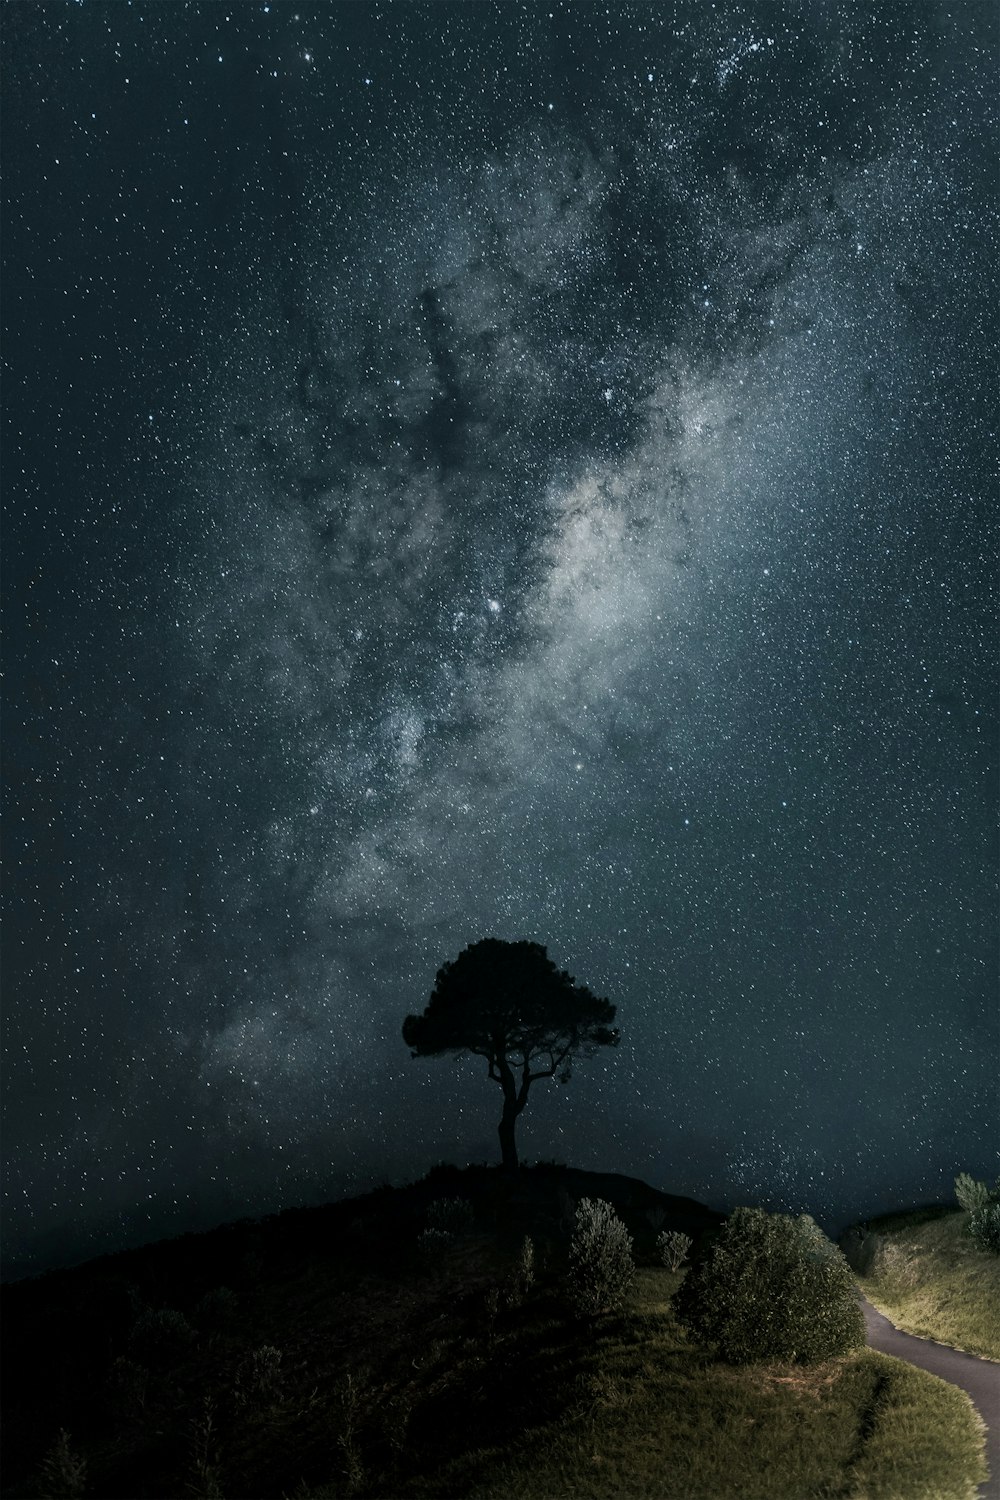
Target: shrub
{"points": [[63, 1473], [600, 1259], [161, 1333], [771, 1287], [895, 1266], [525, 1269], [218, 1308], [353, 1397], [984, 1227], [205, 1482], [431, 1243], [971, 1195], [490, 1314], [521, 1277], [672, 1247], [451, 1216], [259, 1375]]}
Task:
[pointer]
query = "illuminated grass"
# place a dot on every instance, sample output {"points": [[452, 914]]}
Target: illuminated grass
{"points": [[391, 1372], [656, 1420], [929, 1278]]}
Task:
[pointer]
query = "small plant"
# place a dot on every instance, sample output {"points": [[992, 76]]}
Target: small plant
{"points": [[525, 1270], [450, 1216], [443, 1173], [396, 1415], [491, 1311], [161, 1333], [521, 1277], [600, 1259], [971, 1195], [431, 1243], [672, 1247], [259, 1376], [656, 1216], [205, 1483], [350, 1395], [984, 1227], [771, 1287], [63, 1472], [217, 1309]]}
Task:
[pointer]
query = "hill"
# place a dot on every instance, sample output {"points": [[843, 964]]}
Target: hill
{"points": [[921, 1269], [342, 1352]]}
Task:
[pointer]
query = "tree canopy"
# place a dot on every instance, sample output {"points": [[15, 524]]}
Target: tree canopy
{"points": [[510, 1004]]}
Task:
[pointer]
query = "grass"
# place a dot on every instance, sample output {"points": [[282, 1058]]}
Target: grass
{"points": [[656, 1419], [928, 1277], [414, 1376]]}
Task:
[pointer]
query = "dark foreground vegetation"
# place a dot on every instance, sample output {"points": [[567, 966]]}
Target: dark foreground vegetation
{"points": [[478, 1334]]}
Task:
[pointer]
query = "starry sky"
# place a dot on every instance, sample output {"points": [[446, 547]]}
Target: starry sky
{"points": [[498, 469]]}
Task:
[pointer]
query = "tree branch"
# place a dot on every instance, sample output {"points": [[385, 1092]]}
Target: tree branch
{"points": [[556, 1060], [545, 1073], [522, 1093]]}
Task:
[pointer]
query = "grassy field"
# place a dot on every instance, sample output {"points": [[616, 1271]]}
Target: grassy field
{"points": [[656, 1419], [329, 1356], [925, 1274]]}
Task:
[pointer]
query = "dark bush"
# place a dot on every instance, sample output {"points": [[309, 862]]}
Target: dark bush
{"points": [[161, 1333], [771, 1287], [450, 1216], [984, 1227], [218, 1308]]}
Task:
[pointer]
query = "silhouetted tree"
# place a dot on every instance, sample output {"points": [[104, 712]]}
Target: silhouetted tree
{"points": [[509, 1003]]}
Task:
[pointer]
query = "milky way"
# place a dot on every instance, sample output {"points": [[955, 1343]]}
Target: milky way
{"points": [[535, 481]]}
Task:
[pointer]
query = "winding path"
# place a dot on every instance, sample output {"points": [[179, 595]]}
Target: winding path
{"points": [[979, 1378]]}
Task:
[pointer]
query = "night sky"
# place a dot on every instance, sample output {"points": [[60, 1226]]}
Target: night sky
{"points": [[494, 469]]}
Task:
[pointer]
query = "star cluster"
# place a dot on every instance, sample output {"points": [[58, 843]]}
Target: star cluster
{"points": [[485, 470]]}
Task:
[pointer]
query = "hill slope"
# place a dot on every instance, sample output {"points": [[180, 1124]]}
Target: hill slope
{"points": [[924, 1273], [333, 1353]]}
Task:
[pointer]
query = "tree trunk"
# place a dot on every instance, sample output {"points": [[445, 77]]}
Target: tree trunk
{"points": [[505, 1130], [514, 1100]]}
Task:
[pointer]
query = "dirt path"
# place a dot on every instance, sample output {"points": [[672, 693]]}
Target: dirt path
{"points": [[979, 1378]]}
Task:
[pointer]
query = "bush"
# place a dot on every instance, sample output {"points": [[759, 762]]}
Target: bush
{"points": [[432, 1243], [971, 1195], [205, 1482], [63, 1473], [895, 1266], [600, 1259], [450, 1216], [771, 1287], [984, 1227], [218, 1308], [524, 1272], [672, 1247], [161, 1333], [259, 1376]]}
